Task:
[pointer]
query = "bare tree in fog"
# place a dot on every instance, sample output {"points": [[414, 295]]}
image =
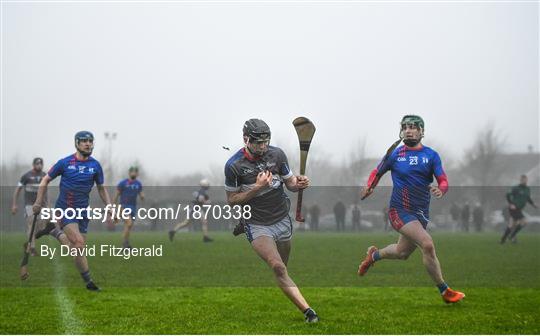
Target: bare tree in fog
{"points": [[480, 164]]}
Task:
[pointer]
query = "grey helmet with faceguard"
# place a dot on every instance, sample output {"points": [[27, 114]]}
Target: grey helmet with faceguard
{"points": [[256, 131], [411, 120]]}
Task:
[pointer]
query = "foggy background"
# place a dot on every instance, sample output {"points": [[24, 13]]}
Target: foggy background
{"points": [[177, 81], [174, 82]]}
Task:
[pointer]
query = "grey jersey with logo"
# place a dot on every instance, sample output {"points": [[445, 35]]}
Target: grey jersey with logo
{"points": [[30, 181], [200, 197], [271, 204]]}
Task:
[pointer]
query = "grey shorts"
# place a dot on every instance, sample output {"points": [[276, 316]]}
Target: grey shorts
{"points": [[28, 211], [280, 231]]}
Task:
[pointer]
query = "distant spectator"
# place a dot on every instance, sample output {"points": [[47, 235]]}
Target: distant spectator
{"points": [[339, 213], [454, 212], [465, 217], [356, 217], [478, 217], [314, 214]]}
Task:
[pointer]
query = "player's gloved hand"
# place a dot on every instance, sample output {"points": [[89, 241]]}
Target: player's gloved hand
{"points": [[36, 208], [436, 192], [13, 209], [302, 182], [512, 207]]}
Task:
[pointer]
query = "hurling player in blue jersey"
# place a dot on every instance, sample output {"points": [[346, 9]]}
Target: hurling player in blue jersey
{"points": [[413, 167], [79, 172], [127, 191]]}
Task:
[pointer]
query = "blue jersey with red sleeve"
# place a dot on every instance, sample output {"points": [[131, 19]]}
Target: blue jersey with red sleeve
{"points": [[129, 190], [78, 178], [412, 174]]}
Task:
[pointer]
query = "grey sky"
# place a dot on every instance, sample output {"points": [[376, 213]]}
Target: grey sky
{"points": [[176, 81]]}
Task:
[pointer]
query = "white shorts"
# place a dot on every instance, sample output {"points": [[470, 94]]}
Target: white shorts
{"points": [[28, 212], [280, 231]]}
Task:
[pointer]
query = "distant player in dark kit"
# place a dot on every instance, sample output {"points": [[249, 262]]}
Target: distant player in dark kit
{"points": [[517, 198], [30, 182], [127, 192], [200, 198], [255, 176], [79, 172], [413, 167]]}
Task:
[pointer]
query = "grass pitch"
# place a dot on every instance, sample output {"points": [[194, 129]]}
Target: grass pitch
{"points": [[223, 287]]}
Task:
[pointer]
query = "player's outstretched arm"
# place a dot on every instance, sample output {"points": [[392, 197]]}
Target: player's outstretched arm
{"points": [[104, 194], [532, 203], [15, 198], [116, 195], [372, 182], [42, 191]]}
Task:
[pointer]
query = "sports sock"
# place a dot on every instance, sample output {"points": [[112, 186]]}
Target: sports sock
{"points": [[505, 235], [308, 311], [376, 256], [86, 276], [516, 230], [56, 232], [442, 287]]}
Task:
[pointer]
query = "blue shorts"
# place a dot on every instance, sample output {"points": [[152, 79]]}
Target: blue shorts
{"points": [[400, 217], [132, 210], [82, 222]]}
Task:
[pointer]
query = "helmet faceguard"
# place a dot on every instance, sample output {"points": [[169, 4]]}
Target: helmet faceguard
{"points": [[84, 136], [411, 121], [256, 136]]}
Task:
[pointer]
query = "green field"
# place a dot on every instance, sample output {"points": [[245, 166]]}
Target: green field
{"points": [[222, 287]]}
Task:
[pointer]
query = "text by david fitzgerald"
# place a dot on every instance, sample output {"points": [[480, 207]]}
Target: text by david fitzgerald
{"points": [[102, 251]]}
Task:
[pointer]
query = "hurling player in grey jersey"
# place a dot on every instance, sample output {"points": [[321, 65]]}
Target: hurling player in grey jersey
{"points": [[255, 176], [29, 182]]}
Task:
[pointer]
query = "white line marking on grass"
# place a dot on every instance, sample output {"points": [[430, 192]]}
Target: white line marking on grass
{"points": [[69, 322]]}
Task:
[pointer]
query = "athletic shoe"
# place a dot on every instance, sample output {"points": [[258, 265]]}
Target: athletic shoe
{"points": [[239, 229], [452, 296], [92, 286], [207, 239], [45, 231], [368, 261], [171, 235], [311, 316]]}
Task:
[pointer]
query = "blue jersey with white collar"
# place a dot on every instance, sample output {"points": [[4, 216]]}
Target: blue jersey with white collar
{"points": [[77, 179]]}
